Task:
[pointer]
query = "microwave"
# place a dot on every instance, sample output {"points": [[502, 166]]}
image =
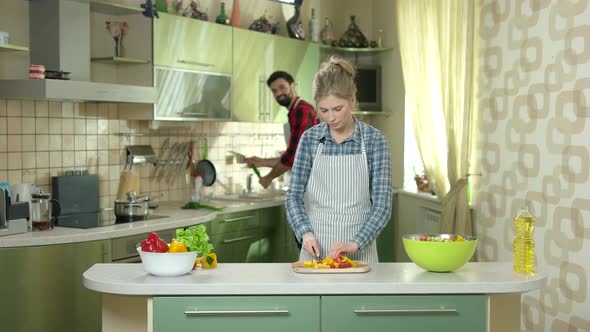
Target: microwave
{"points": [[192, 95], [368, 85]]}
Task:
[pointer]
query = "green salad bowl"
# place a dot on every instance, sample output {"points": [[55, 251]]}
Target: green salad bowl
{"points": [[439, 252]]}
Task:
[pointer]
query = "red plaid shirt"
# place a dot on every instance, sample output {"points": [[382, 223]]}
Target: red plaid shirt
{"points": [[301, 117]]}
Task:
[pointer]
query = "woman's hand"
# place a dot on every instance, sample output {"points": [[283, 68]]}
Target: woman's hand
{"points": [[340, 248], [310, 244]]}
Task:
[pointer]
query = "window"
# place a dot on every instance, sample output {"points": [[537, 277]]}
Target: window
{"points": [[412, 161]]}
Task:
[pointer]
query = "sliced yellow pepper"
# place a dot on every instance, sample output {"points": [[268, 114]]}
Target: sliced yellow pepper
{"points": [[209, 261], [177, 246]]}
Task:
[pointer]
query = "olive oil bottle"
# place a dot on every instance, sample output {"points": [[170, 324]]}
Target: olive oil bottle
{"points": [[524, 245]]}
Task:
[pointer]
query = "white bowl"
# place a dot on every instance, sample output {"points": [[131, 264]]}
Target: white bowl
{"points": [[168, 264]]}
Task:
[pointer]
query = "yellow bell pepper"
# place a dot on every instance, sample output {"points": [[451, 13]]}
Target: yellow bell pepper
{"points": [[177, 246], [197, 263], [209, 261]]}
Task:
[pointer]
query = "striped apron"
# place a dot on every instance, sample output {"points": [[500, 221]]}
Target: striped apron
{"points": [[338, 201]]}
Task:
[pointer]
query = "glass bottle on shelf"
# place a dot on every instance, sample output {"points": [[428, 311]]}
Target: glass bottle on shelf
{"points": [[295, 25], [222, 18], [314, 29], [326, 35]]}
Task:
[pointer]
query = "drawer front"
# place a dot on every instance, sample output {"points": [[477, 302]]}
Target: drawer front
{"points": [[464, 313], [237, 247], [285, 314], [234, 222]]}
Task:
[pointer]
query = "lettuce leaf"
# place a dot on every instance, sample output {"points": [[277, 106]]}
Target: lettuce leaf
{"points": [[195, 238]]}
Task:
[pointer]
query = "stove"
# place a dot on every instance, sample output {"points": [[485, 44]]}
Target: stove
{"points": [[107, 218]]}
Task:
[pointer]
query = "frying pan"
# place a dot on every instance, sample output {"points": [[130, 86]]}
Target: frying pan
{"points": [[206, 168]]}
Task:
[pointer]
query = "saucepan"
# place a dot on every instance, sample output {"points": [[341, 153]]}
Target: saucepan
{"points": [[134, 209], [206, 168]]}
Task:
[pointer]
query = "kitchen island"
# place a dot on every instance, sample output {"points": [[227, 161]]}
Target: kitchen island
{"points": [[256, 297]]}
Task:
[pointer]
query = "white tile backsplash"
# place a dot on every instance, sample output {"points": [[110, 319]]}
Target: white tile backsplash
{"points": [[39, 139]]}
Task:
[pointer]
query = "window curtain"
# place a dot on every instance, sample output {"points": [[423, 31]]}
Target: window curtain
{"points": [[438, 46]]}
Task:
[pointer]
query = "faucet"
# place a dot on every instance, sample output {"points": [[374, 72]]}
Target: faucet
{"points": [[249, 189]]}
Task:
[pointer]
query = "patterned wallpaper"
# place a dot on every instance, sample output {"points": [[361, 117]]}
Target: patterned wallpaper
{"points": [[534, 110]]}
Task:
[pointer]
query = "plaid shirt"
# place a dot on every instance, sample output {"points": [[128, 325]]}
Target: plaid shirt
{"points": [[380, 185], [301, 118]]}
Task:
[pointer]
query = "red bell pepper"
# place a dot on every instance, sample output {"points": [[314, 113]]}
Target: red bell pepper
{"points": [[153, 243]]}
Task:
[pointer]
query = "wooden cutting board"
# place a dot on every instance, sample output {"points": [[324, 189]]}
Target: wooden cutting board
{"points": [[298, 267]]}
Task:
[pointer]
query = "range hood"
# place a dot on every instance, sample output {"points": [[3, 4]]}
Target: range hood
{"points": [[60, 40]]}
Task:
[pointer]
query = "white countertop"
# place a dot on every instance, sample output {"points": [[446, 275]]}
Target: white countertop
{"points": [[279, 279], [176, 218]]}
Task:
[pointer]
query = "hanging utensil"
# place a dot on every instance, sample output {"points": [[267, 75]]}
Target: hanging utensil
{"points": [[160, 156], [164, 168], [206, 168], [182, 157]]}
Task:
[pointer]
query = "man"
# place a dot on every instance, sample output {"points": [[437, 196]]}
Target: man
{"points": [[301, 117]]}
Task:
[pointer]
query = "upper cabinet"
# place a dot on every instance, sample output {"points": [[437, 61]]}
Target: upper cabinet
{"points": [[185, 43], [256, 56], [121, 44]]}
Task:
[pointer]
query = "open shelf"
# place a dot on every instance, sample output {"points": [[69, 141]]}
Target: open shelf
{"points": [[12, 48], [108, 8], [116, 60], [356, 50]]}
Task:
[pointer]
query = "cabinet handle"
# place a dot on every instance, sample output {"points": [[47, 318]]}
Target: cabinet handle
{"points": [[235, 312], [239, 239], [192, 114], [237, 219], [261, 101], [402, 311], [188, 62]]}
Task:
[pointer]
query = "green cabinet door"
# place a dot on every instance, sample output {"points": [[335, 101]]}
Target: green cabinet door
{"points": [[42, 287], [301, 60], [234, 222], [253, 61], [256, 56], [386, 239], [284, 245], [187, 43], [270, 219], [412, 313], [245, 314]]}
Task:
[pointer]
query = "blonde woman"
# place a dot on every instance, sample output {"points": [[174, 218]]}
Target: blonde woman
{"points": [[339, 196]]}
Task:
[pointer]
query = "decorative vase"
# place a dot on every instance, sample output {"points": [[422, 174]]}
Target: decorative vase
{"points": [[119, 51], [235, 20], [353, 37], [295, 25]]}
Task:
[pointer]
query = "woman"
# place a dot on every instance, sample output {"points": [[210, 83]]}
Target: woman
{"points": [[340, 191]]}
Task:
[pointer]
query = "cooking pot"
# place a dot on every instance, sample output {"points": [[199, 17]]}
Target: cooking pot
{"points": [[134, 208], [131, 211]]}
